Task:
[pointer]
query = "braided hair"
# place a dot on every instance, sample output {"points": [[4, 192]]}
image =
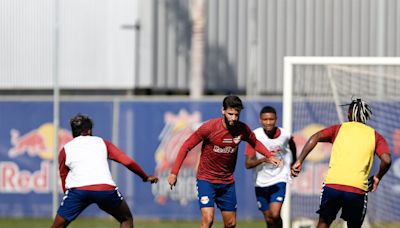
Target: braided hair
{"points": [[359, 110]]}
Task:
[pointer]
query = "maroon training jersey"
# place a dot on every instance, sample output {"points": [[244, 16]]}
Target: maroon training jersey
{"points": [[219, 150]]}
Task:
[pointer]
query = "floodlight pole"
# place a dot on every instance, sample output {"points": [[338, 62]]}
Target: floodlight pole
{"points": [[56, 107], [197, 64]]}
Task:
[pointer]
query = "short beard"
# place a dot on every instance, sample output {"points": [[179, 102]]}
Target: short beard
{"points": [[228, 126]]}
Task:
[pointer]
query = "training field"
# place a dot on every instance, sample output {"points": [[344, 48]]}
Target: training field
{"points": [[108, 223]]}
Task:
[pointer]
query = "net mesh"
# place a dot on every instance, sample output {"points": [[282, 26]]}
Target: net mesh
{"points": [[319, 90]]}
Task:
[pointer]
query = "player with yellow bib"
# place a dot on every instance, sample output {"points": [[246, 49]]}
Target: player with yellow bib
{"points": [[346, 184]]}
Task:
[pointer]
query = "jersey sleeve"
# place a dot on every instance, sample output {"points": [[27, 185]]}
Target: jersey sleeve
{"points": [[381, 146], [250, 151], [117, 155], [188, 145], [63, 168], [330, 133]]}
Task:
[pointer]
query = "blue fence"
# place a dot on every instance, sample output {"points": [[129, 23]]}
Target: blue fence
{"points": [[149, 132]]}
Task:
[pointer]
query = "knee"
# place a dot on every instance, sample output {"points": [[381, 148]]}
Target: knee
{"points": [[127, 222], [273, 217], [207, 220], [230, 223]]}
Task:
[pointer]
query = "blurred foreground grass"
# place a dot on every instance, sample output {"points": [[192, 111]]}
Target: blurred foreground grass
{"points": [[109, 222]]}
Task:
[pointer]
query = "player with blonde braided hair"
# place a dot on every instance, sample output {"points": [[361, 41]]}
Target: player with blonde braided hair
{"points": [[361, 111], [347, 183]]}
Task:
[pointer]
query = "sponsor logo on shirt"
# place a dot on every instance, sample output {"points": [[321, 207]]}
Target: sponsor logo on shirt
{"points": [[227, 140], [225, 150]]}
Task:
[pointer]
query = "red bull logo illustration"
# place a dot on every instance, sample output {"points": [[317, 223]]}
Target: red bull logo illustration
{"points": [[309, 182], [36, 143], [176, 130]]}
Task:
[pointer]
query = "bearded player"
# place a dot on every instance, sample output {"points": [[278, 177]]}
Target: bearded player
{"points": [[215, 183]]}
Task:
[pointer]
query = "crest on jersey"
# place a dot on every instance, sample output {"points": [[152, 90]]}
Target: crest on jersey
{"points": [[178, 127], [237, 139]]}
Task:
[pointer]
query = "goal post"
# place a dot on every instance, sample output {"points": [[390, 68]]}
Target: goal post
{"points": [[314, 88]]}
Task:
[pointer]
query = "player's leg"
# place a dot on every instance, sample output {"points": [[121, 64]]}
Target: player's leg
{"points": [[122, 214], [114, 204], [207, 217], [354, 209], [324, 222], [229, 218], [72, 204], [206, 195], [274, 215], [331, 202], [60, 222], [226, 201], [276, 193], [263, 201]]}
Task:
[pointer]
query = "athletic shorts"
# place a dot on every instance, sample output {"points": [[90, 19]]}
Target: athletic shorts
{"points": [[223, 195], [353, 205], [75, 201], [270, 194]]}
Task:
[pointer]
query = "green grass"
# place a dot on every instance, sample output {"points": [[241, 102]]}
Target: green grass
{"points": [[106, 223]]}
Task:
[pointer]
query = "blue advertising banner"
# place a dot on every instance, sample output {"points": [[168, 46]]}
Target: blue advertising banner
{"points": [[151, 132]]}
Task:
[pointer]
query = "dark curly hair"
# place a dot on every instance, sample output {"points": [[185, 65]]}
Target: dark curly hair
{"points": [[232, 101], [80, 125]]}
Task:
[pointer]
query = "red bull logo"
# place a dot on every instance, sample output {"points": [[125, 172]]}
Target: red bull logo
{"points": [[176, 130], [314, 169], [36, 143]]}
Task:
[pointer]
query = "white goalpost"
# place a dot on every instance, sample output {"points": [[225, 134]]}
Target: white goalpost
{"points": [[315, 88]]}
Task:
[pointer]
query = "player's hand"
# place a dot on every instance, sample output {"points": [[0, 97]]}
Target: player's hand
{"points": [[296, 168], [273, 160], [172, 180], [152, 179], [373, 183]]}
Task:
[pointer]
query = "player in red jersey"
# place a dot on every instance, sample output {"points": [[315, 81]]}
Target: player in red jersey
{"points": [[86, 177], [215, 182]]}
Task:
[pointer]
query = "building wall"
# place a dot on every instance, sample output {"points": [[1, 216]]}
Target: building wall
{"points": [[133, 44]]}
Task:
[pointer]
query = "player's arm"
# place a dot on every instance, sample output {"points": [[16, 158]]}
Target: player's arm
{"points": [[63, 168], [383, 152], [259, 147], [188, 145], [293, 150], [321, 136], [117, 155], [251, 158]]}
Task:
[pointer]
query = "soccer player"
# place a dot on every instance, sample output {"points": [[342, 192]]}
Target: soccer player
{"points": [[86, 177], [347, 183], [270, 181], [215, 183]]}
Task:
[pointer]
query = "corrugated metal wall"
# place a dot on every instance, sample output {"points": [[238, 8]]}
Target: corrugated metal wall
{"points": [[246, 41]]}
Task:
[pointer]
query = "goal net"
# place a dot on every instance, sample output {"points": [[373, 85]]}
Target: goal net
{"points": [[315, 90]]}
